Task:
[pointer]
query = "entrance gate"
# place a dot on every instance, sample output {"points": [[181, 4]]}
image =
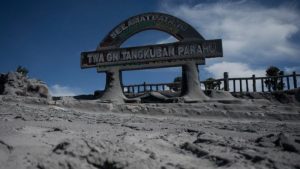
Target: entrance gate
{"points": [[190, 51]]}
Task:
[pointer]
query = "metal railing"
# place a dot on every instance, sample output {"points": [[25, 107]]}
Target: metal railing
{"points": [[241, 84]]}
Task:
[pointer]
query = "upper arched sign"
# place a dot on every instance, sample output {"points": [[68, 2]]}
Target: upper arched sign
{"points": [[149, 21]]}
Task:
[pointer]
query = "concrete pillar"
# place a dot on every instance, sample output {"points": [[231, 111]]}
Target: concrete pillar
{"points": [[113, 90], [191, 90]]}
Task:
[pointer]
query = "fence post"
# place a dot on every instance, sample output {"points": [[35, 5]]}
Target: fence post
{"points": [[145, 89], [234, 88], [254, 83], [288, 82], [281, 80], [262, 85], [295, 80], [226, 81], [129, 89], [241, 86]]}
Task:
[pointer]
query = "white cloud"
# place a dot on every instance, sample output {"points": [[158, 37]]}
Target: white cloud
{"points": [[234, 69], [289, 70], [170, 39], [251, 33], [58, 90]]}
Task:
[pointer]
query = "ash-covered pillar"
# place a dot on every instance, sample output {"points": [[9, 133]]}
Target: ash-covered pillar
{"points": [[191, 90], [113, 92]]}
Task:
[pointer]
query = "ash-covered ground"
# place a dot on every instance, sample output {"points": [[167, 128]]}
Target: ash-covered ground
{"points": [[38, 133], [69, 133]]}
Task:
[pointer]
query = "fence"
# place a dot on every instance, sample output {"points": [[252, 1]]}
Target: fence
{"points": [[244, 84], [141, 88]]}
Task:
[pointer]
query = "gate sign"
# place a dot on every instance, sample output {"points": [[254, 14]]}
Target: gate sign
{"points": [[190, 51], [172, 52]]}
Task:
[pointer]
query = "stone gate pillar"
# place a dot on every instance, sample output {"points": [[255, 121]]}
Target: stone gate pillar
{"points": [[113, 92], [191, 89]]}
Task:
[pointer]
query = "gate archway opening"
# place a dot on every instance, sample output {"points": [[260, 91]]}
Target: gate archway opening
{"points": [[137, 82], [148, 37]]}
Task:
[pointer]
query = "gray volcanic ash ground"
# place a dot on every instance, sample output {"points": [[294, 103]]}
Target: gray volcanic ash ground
{"points": [[69, 133]]}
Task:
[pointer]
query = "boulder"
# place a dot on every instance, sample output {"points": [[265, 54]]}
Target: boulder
{"points": [[14, 83]]}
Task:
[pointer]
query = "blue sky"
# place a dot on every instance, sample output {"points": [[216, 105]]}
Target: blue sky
{"points": [[48, 36]]}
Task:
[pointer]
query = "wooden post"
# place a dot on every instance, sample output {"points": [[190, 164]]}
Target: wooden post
{"points": [[145, 89], [281, 79], [262, 85], [254, 83], [269, 86], [295, 80], [275, 82], [247, 85], [226, 81], [128, 89], [288, 82], [241, 87], [234, 86]]}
